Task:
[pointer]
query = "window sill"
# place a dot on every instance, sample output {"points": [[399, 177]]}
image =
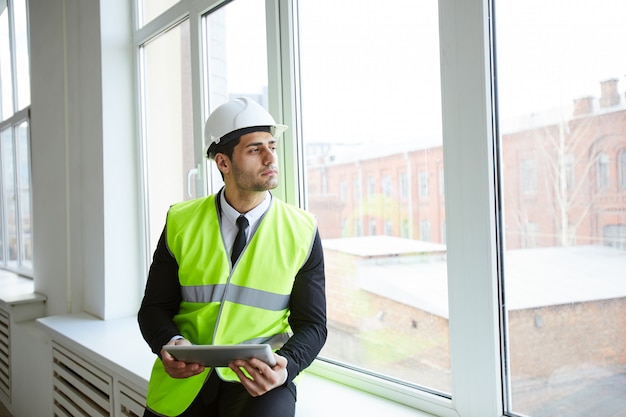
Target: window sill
{"points": [[118, 346], [17, 296]]}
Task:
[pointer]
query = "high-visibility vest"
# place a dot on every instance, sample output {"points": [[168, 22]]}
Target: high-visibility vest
{"points": [[223, 305]]}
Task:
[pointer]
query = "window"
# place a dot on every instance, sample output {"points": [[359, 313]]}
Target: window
{"points": [[423, 184], [356, 189], [531, 231], [229, 52], [563, 281], [343, 191], [376, 320], [425, 230], [622, 168], [371, 58], [15, 213], [168, 131], [603, 171], [388, 228], [404, 185], [371, 186], [387, 190], [614, 235], [528, 176], [441, 183]]}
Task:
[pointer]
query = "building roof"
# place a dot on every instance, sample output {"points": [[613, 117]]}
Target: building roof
{"points": [[382, 246], [533, 277]]}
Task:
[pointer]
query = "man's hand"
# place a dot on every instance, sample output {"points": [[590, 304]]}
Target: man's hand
{"points": [[179, 369], [260, 377]]}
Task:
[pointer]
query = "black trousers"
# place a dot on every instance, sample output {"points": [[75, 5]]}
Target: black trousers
{"points": [[226, 399]]}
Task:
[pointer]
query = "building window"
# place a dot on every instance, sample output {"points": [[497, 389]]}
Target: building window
{"points": [[356, 189], [531, 231], [388, 227], [16, 231], [423, 184], [387, 186], [442, 187], [372, 227], [358, 227], [614, 235], [404, 185], [622, 168], [529, 176], [371, 186], [406, 229], [425, 230], [604, 179], [343, 191]]}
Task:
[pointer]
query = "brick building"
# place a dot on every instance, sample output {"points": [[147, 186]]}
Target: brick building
{"points": [[564, 181]]}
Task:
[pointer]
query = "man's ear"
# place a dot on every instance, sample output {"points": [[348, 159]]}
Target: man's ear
{"points": [[223, 163]]}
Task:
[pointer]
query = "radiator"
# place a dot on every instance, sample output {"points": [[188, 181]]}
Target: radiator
{"points": [[83, 389], [79, 388], [5, 359], [131, 402]]}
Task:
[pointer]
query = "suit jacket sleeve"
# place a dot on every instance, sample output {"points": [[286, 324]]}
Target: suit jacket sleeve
{"points": [[307, 313], [162, 298]]}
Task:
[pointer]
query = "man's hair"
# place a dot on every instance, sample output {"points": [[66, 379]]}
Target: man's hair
{"points": [[225, 148]]}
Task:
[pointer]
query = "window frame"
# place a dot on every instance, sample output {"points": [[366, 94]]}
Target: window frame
{"points": [[18, 116], [471, 199], [12, 123]]}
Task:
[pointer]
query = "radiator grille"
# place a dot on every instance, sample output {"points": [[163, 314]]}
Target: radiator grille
{"points": [[5, 359], [131, 402], [79, 389]]}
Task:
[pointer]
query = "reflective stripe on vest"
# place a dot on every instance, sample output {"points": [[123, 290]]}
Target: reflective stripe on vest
{"points": [[240, 295], [247, 304]]}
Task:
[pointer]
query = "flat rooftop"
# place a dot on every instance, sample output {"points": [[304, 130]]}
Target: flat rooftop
{"points": [[539, 277]]}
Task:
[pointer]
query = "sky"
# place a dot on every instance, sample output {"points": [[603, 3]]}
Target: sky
{"points": [[371, 71], [552, 52]]}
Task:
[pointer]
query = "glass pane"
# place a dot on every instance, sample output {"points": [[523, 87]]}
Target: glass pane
{"points": [[6, 80], [562, 131], [23, 170], [371, 107], [236, 55], [149, 9], [168, 125], [9, 196], [22, 65]]}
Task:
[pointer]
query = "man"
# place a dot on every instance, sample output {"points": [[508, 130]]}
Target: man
{"points": [[273, 292]]}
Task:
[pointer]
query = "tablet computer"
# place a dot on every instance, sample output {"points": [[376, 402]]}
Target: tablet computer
{"points": [[221, 355]]}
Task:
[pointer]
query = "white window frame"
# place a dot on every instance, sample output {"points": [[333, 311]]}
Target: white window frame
{"points": [[469, 159], [17, 117]]}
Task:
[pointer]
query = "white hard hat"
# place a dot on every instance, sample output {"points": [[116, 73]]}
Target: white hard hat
{"points": [[237, 114]]}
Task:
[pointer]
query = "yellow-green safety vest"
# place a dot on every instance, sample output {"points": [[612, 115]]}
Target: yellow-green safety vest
{"points": [[223, 305]]}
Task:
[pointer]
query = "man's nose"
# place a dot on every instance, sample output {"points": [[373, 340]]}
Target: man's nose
{"points": [[269, 157]]}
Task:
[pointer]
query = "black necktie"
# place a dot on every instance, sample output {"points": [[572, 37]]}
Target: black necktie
{"points": [[240, 240]]}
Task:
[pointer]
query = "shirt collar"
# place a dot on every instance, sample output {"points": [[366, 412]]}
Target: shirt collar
{"points": [[253, 215]]}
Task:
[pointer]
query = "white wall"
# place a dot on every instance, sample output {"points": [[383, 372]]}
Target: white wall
{"points": [[85, 186], [84, 179]]}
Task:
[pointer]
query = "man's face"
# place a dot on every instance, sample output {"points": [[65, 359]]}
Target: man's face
{"points": [[254, 162]]}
